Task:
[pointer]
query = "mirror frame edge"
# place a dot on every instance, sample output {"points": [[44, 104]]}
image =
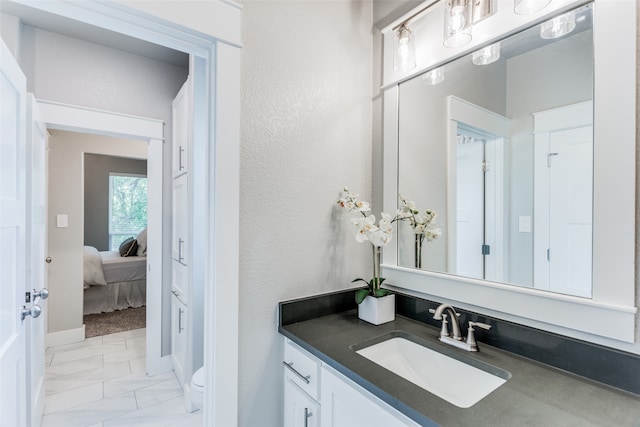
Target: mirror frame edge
{"points": [[611, 312]]}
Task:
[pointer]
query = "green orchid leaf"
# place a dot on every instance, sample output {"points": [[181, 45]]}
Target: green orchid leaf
{"points": [[361, 294], [382, 292]]}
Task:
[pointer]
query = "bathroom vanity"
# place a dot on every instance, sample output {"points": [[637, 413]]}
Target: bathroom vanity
{"points": [[327, 383]]}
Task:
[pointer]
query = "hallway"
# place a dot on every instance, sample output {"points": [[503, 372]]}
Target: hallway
{"points": [[101, 382]]}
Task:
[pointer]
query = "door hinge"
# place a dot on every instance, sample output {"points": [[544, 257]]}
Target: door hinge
{"points": [[549, 158], [485, 166], [27, 297], [548, 254], [486, 249]]}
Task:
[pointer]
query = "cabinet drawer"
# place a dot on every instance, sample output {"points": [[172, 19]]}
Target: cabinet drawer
{"points": [[301, 368]]}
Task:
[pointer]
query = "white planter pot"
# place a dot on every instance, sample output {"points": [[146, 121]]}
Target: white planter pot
{"points": [[378, 310]]}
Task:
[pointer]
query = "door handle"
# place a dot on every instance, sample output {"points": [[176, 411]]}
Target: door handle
{"points": [[42, 293], [48, 260], [34, 311]]}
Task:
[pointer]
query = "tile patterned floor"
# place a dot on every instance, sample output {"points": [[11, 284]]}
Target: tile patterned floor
{"points": [[101, 382]]}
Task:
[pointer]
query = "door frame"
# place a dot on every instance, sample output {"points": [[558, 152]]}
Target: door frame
{"points": [[216, 41], [86, 120], [460, 110]]}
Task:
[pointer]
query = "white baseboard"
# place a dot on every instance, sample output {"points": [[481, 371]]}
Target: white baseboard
{"points": [[158, 365], [68, 336]]}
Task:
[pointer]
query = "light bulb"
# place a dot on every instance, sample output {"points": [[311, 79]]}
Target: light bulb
{"points": [[558, 26], [486, 55], [405, 50], [457, 28], [527, 7], [434, 77], [457, 21]]}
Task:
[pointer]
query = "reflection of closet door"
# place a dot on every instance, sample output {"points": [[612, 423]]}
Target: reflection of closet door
{"points": [[570, 210], [470, 215], [180, 229], [563, 199]]}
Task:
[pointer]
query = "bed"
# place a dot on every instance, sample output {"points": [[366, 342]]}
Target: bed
{"points": [[113, 282]]}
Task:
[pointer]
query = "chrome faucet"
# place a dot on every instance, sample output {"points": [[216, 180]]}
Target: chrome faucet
{"points": [[455, 323], [468, 344]]}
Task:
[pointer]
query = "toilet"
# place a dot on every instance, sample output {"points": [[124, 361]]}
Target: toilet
{"points": [[197, 388]]}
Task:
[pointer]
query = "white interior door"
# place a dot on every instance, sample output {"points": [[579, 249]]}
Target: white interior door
{"points": [[570, 210], [12, 235], [37, 150], [563, 211], [470, 203]]}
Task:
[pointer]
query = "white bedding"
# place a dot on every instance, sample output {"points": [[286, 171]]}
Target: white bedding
{"points": [[123, 269], [112, 282]]}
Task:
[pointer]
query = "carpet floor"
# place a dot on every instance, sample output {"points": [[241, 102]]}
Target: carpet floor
{"points": [[117, 321]]}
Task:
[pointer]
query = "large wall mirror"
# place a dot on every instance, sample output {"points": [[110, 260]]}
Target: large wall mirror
{"points": [[529, 162], [512, 136]]}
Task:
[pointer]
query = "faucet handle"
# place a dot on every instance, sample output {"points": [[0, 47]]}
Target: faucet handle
{"points": [[472, 344], [444, 331], [479, 325]]}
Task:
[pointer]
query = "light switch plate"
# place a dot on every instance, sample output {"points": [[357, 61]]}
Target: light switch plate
{"points": [[62, 221], [524, 224]]}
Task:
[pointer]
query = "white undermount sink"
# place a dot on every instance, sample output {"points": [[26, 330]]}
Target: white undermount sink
{"points": [[453, 380]]}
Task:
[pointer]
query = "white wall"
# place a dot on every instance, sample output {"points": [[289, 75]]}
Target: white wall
{"points": [[66, 196], [306, 133], [76, 72]]}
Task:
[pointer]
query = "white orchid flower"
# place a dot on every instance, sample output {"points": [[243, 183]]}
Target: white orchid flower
{"points": [[380, 238], [365, 226]]}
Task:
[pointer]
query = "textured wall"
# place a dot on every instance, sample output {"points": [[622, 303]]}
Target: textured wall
{"points": [[306, 133]]}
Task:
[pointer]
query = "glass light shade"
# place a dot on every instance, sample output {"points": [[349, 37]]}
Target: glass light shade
{"points": [[434, 77], [457, 23], [558, 26], [405, 51], [486, 55], [527, 7]]}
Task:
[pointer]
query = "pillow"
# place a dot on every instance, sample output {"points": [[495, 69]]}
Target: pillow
{"points": [[92, 273], [129, 247], [142, 242]]}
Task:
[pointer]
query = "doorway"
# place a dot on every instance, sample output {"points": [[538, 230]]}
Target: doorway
{"points": [[216, 44]]}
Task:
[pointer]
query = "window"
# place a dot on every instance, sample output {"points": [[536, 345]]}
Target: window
{"points": [[127, 207]]}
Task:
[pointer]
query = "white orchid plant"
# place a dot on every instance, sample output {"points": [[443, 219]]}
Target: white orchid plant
{"points": [[423, 224], [366, 230], [380, 234]]}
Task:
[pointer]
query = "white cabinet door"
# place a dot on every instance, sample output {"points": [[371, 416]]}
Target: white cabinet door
{"points": [[178, 337], [300, 410], [180, 281], [346, 405], [181, 125], [180, 225]]}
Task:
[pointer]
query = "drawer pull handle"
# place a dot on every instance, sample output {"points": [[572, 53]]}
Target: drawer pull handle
{"points": [[302, 377], [307, 414]]}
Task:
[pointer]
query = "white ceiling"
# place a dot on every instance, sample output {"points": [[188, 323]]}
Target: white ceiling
{"points": [[68, 27]]}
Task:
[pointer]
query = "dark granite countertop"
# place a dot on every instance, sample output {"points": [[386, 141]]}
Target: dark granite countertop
{"points": [[535, 395]]}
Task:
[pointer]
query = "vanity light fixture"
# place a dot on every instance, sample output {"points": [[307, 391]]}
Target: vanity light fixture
{"points": [[434, 77], [457, 23], [486, 55], [558, 26], [527, 7], [460, 16], [405, 57]]}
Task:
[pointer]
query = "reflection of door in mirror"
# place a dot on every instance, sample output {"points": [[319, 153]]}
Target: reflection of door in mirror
{"points": [[479, 241], [476, 196], [562, 199]]}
